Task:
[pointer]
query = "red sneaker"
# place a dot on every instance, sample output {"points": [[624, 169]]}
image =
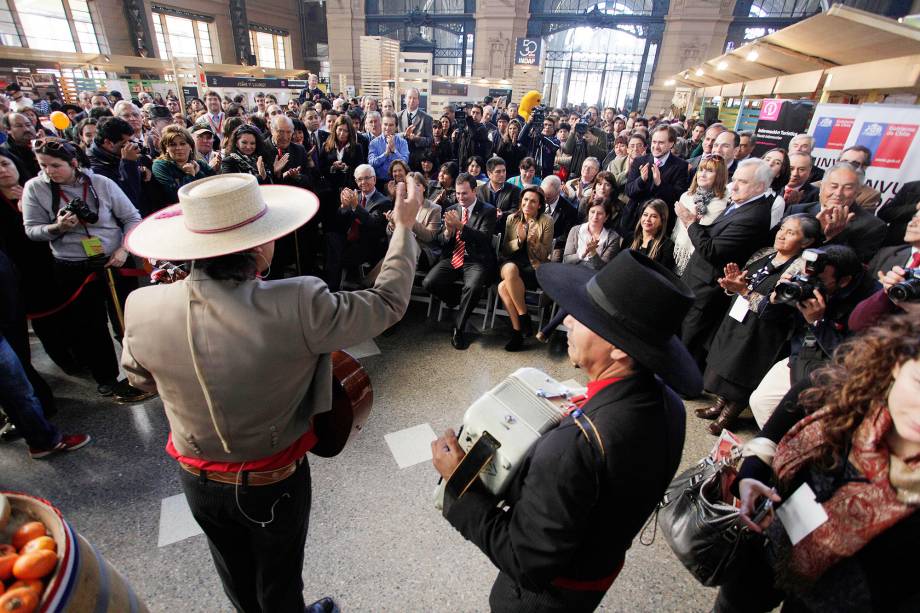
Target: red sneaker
{"points": [[69, 442]]}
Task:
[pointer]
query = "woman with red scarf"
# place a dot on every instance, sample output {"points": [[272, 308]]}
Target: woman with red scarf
{"points": [[858, 450]]}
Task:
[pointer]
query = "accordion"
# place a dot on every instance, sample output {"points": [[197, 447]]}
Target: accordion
{"points": [[513, 415]]}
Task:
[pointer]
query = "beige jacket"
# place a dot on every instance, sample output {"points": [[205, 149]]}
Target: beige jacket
{"points": [[539, 238], [262, 350]]}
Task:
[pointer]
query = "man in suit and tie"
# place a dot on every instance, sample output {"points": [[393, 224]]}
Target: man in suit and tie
{"points": [[419, 136], [805, 144], [504, 196], [799, 189], [898, 211], [726, 145], [314, 138], [660, 174], [741, 229], [213, 120], [466, 255], [358, 233], [842, 220], [561, 211]]}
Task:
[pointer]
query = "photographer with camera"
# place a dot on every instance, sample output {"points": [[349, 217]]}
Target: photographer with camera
{"points": [[582, 144], [541, 146], [832, 284], [115, 156], [84, 217], [471, 137], [898, 270]]}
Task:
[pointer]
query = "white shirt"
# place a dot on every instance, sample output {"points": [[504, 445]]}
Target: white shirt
{"points": [[551, 207]]}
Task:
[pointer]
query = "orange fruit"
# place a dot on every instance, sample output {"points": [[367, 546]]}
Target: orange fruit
{"points": [[32, 584], [42, 542], [20, 600], [35, 564], [27, 532], [7, 561]]}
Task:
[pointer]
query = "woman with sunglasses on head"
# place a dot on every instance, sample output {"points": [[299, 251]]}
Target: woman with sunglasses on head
{"points": [[244, 154], [84, 217], [707, 197], [176, 165]]}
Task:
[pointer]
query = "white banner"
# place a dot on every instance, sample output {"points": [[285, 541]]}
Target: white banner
{"points": [[889, 131], [831, 126]]}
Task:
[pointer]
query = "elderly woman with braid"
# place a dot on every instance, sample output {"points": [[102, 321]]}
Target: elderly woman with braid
{"points": [[844, 451]]}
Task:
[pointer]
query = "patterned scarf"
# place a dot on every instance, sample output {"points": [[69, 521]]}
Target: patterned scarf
{"points": [[246, 163], [701, 199], [859, 510]]}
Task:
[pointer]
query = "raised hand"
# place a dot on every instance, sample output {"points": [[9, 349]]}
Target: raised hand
{"points": [[735, 279], [280, 163], [644, 170], [260, 166], [409, 198], [833, 220]]}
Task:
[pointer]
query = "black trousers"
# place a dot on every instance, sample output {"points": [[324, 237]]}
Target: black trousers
{"points": [[702, 321], [342, 254], [260, 566], [508, 597], [441, 282], [87, 316]]}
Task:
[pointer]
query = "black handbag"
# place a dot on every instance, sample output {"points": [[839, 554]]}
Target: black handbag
{"points": [[705, 533]]}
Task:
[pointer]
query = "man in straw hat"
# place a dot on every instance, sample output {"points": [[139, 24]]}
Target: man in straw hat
{"points": [[242, 365], [584, 490]]}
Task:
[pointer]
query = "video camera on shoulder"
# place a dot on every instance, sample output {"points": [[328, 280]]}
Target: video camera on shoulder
{"points": [[78, 207], [909, 289], [460, 117], [802, 286]]}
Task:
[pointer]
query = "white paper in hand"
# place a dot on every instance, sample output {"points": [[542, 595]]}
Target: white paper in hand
{"points": [[801, 514]]}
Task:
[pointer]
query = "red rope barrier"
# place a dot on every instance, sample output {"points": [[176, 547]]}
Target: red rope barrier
{"points": [[124, 272]]}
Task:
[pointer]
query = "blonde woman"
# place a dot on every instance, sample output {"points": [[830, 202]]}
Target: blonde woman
{"points": [[706, 197]]}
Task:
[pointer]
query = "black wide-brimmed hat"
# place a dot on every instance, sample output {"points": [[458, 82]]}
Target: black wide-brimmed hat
{"points": [[635, 304]]}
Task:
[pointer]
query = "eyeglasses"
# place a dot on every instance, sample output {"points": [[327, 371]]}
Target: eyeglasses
{"points": [[363, 179]]}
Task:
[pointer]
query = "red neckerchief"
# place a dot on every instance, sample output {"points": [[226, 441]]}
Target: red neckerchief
{"points": [[593, 388]]}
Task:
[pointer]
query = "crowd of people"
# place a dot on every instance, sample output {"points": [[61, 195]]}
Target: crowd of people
{"points": [[786, 261]]}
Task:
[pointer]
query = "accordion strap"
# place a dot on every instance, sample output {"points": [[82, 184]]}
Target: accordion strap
{"points": [[479, 455]]}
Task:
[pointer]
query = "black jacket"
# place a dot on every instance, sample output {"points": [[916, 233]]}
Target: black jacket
{"points": [[476, 234], [864, 234], [353, 157], [674, 182], [507, 200], [888, 258], [573, 511], [298, 159], [731, 238], [564, 218], [124, 172], [898, 211]]}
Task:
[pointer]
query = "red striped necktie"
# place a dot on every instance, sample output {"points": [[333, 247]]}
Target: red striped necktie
{"points": [[456, 260]]}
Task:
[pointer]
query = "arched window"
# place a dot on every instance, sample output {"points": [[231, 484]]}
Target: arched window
{"points": [[54, 25]]}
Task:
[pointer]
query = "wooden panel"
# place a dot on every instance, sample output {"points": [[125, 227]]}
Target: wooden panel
{"points": [[897, 73], [712, 91], [732, 90], [802, 83], [761, 87]]}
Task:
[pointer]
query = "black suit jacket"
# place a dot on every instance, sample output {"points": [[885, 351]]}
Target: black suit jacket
{"points": [[372, 218], [565, 514], [888, 258], [353, 157], [675, 180], [297, 159], [506, 200], [730, 238], [476, 234], [564, 217], [422, 122], [864, 234], [898, 211]]}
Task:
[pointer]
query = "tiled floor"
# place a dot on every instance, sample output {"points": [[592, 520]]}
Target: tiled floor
{"points": [[376, 542]]}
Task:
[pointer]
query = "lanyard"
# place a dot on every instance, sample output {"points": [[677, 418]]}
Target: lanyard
{"points": [[220, 123]]}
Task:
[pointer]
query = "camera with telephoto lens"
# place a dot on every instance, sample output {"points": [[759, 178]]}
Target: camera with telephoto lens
{"points": [[581, 128], [78, 207], [802, 286], [460, 117], [909, 289]]}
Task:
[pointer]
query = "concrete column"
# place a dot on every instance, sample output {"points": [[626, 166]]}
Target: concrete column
{"points": [[695, 30], [498, 25], [345, 22]]}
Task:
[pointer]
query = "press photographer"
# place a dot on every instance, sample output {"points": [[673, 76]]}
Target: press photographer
{"points": [[539, 138], [471, 137], [821, 299], [84, 217], [581, 144]]}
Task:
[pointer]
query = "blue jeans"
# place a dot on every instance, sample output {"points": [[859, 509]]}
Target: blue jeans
{"points": [[20, 403]]}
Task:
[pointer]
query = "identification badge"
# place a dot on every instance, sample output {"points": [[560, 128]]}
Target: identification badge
{"points": [[93, 247], [739, 309], [801, 514]]}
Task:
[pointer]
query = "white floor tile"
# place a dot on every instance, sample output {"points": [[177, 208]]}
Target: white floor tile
{"points": [[412, 445], [363, 350], [176, 521]]}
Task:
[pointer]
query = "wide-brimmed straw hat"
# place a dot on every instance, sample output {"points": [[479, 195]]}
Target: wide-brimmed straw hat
{"points": [[635, 304], [221, 215]]}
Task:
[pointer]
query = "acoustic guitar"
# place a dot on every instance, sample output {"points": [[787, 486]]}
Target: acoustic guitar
{"points": [[352, 398]]}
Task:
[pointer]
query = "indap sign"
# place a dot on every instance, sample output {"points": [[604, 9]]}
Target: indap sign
{"points": [[528, 51]]}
